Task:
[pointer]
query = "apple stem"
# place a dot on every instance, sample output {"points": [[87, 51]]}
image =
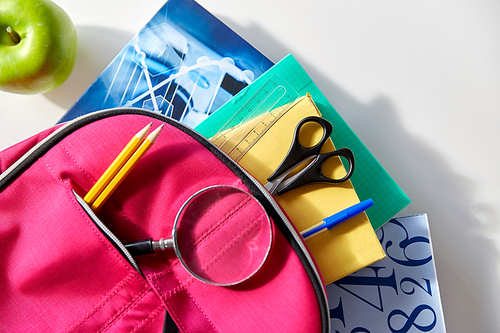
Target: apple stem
{"points": [[13, 35]]}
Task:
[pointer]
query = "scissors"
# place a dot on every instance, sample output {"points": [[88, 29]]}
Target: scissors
{"points": [[298, 154]]}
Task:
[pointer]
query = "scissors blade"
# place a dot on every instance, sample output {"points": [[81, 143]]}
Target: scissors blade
{"points": [[272, 187], [277, 183]]}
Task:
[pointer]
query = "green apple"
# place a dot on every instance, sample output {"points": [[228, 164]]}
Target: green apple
{"points": [[38, 46]]}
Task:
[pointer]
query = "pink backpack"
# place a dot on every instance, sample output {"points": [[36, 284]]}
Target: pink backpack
{"points": [[63, 270]]}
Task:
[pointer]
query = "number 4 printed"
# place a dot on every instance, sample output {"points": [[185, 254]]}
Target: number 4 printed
{"points": [[378, 281]]}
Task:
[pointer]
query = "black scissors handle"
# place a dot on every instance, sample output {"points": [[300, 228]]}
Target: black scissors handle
{"points": [[298, 154], [312, 173]]}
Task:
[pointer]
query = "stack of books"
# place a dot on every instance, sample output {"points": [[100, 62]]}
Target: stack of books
{"points": [[188, 65]]}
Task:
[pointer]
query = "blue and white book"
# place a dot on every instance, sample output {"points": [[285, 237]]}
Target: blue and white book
{"points": [[184, 63], [397, 294]]}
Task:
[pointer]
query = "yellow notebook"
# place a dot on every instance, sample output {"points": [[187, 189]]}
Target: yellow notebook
{"points": [[339, 252]]}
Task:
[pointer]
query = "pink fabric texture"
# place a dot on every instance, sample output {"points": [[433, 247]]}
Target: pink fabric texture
{"points": [[59, 273]]}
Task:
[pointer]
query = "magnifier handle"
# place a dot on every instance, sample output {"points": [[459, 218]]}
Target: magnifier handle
{"points": [[140, 248], [148, 246]]}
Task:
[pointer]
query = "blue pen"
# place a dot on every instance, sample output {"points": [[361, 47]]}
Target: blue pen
{"points": [[330, 222]]}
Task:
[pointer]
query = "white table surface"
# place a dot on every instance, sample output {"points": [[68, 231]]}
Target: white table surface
{"points": [[418, 81]]}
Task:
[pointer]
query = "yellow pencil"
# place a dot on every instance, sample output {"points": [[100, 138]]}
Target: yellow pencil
{"points": [[117, 164], [120, 176]]}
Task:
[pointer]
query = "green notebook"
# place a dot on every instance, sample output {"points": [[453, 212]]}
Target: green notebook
{"points": [[369, 179]]}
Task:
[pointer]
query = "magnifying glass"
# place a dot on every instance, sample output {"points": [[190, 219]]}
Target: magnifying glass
{"points": [[222, 235]]}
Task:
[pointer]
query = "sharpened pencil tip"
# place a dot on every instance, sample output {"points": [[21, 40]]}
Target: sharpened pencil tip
{"points": [[142, 133], [152, 137]]}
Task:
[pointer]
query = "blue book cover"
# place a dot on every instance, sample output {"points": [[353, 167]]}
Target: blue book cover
{"points": [[397, 294], [183, 63]]}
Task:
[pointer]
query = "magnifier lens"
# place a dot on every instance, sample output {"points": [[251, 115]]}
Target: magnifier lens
{"points": [[222, 235]]}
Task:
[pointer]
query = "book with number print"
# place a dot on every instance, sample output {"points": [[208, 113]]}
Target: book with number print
{"points": [[397, 294]]}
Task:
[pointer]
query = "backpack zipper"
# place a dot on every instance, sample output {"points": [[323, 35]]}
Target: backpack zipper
{"points": [[111, 236], [27, 159]]}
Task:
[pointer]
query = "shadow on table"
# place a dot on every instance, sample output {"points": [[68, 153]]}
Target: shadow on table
{"points": [[465, 256], [97, 47]]}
